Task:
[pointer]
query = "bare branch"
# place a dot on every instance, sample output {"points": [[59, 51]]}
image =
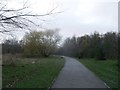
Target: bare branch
{"points": [[16, 18], [11, 10]]}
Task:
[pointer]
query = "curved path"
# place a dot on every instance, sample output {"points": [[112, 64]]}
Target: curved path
{"points": [[76, 75]]}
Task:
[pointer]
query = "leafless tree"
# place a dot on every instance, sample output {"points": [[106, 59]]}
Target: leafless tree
{"points": [[18, 18]]}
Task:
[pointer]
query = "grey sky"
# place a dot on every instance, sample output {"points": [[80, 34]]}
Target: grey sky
{"points": [[79, 17]]}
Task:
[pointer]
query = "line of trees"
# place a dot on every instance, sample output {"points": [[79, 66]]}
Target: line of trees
{"points": [[45, 43], [12, 46], [34, 44], [97, 46]]}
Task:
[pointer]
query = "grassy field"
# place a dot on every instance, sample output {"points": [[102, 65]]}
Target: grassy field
{"points": [[32, 73], [106, 70]]}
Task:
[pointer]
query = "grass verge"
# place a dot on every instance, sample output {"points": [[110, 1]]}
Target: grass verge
{"points": [[31, 72], [106, 70]]}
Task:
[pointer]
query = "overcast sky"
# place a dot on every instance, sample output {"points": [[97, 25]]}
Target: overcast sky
{"points": [[79, 17]]}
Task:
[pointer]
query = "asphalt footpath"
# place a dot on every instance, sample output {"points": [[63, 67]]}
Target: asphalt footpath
{"points": [[76, 75]]}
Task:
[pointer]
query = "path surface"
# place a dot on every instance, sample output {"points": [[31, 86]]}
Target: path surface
{"points": [[76, 75]]}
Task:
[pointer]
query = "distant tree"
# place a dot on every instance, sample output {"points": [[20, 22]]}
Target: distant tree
{"points": [[111, 45], [69, 47], [31, 44], [84, 43], [11, 46], [50, 41], [41, 43], [65, 47], [96, 45]]}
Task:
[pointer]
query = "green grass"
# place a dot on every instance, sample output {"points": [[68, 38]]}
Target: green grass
{"points": [[28, 75], [106, 70]]}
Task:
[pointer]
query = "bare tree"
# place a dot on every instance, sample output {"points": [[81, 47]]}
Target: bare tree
{"points": [[17, 18]]}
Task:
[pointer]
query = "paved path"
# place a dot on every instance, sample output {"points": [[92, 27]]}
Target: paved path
{"points": [[76, 75]]}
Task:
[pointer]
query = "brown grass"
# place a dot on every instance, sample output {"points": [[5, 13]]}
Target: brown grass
{"points": [[9, 59]]}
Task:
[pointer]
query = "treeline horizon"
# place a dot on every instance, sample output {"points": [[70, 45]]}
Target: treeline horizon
{"points": [[98, 46], [33, 44]]}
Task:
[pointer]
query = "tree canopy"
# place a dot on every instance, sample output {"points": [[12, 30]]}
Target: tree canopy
{"points": [[104, 46], [42, 43]]}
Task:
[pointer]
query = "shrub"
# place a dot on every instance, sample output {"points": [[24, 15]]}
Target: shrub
{"points": [[8, 59]]}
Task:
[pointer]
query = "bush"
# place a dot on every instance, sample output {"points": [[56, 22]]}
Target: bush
{"points": [[8, 59]]}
